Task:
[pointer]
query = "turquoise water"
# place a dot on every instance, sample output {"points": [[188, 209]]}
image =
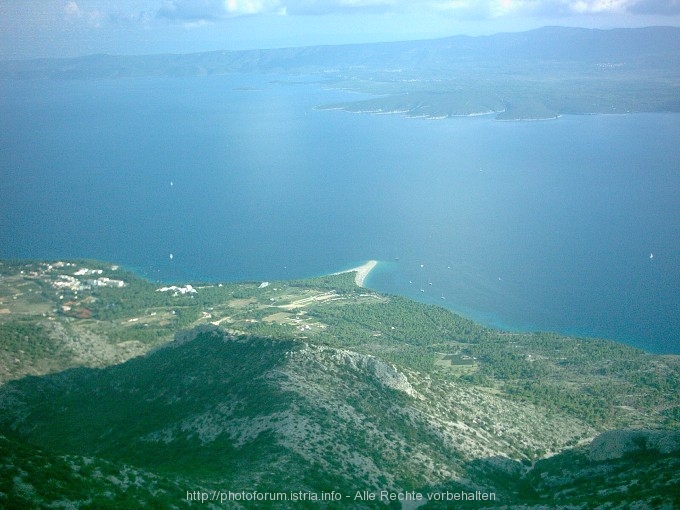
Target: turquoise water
{"points": [[524, 225]]}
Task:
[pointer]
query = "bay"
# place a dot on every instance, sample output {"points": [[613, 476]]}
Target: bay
{"points": [[546, 225]]}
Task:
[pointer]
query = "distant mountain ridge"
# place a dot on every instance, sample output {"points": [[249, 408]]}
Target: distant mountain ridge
{"points": [[539, 74], [552, 43]]}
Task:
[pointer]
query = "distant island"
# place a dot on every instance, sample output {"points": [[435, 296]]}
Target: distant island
{"points": [[540, 74], [116, 392]]}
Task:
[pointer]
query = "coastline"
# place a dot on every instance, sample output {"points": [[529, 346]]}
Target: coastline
{"points": [[362, 272]]}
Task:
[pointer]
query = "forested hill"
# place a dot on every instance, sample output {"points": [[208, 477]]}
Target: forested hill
{"points": [[116, 392]]}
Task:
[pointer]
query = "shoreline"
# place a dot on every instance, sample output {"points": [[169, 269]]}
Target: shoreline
{"points": [[362, 272]]}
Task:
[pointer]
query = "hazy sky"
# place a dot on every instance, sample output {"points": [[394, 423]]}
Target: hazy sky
{"points": [[36, 28]]}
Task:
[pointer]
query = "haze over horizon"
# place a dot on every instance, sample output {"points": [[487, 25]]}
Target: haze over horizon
{"points": [[42, 28]]}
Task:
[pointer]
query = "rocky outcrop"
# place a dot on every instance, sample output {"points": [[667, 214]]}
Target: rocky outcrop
{"points": [[387, 375], [617, 443]]}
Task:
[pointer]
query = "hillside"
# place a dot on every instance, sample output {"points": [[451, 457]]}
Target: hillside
{"points": [[315, 388], [538, 74]]}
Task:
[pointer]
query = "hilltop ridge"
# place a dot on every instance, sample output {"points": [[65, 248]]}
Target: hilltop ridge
{"points": [[313, 387]]}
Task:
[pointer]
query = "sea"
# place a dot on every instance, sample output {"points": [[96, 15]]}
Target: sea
{"points": [[569, 225]]}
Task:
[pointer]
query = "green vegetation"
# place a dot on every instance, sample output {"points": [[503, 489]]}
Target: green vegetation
{"points": [[603, 382], [26, 337], [513, 91], [311, 384], [31, 477]]}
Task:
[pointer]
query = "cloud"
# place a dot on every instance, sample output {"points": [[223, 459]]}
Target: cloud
{"points": [[316, 7], [659, 7], [74, 13], [240, 7], [72, 10], [633, 7], [212, 10], [467, 9], [553, 8], [463, 9], [198, 13], [598, 6], [192, 10]]}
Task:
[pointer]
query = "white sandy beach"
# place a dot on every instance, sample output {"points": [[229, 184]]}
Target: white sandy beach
{"points": [[362, 272]]}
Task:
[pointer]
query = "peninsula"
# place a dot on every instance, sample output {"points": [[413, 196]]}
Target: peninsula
{"points": [[361, 271]]}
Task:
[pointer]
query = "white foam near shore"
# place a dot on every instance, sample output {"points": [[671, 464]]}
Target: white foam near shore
{"points": [[361, 272]]}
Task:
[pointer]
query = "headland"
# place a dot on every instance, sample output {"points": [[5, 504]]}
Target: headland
{"points": [[361, 272]]}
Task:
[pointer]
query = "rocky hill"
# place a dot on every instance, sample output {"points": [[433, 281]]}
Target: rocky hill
{"points": [[315, 392]]}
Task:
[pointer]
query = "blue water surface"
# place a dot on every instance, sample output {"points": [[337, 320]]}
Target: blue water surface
{"points": [[546, 225]]}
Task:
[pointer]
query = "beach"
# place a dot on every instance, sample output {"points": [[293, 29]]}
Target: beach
{"points": [[361, 272]]}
